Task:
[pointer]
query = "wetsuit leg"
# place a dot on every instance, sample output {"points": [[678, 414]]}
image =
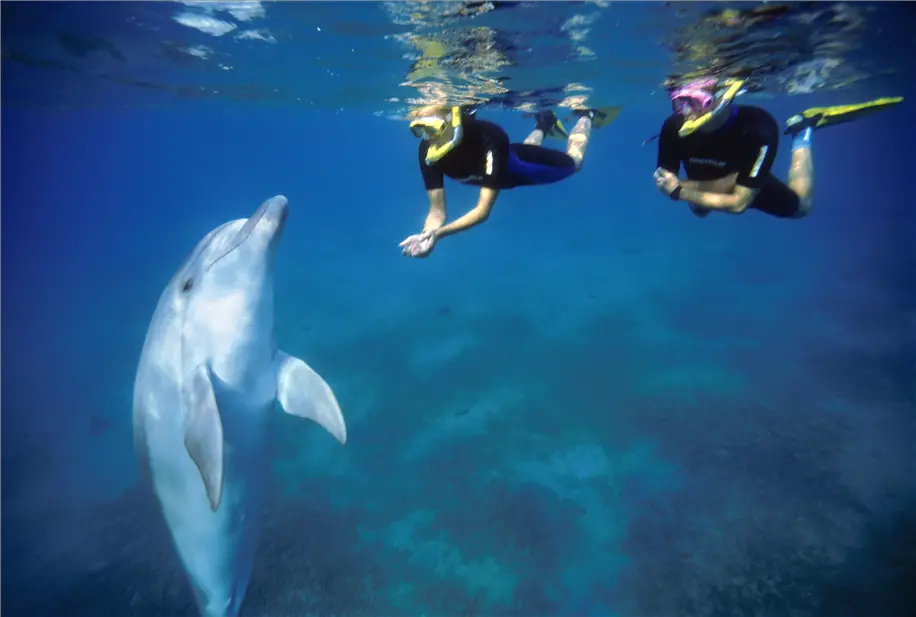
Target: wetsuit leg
{"points": [[531, 165], [777, 199]]}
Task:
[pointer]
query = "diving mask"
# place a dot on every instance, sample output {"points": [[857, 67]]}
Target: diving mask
{"points": [[429, 127], [696, 97], [442, 135], [705, 100]]}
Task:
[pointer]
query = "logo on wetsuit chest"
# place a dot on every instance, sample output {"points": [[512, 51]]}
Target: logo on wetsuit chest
{"points": [[712, 162]]}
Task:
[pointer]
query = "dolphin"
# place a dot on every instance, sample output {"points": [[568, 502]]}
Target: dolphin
{"points": [[206, 382]]}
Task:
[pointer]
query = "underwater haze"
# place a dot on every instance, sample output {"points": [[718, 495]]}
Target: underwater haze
{"points": [[594, 404]]}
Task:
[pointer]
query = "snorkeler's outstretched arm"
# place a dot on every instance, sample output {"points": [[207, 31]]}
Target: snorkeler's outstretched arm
{"points": [[437, 213], [493, 170], [434, 183], [478, 214]]}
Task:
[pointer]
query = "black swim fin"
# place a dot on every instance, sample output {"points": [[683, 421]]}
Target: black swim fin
{"points": [[548, 122], [819, 117]]}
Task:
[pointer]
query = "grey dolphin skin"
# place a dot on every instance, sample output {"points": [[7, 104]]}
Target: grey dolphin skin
{"points": [[208, 378]]}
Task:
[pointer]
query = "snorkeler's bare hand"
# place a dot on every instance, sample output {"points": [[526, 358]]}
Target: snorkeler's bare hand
{"points": [[666, 181], [418, 245]]}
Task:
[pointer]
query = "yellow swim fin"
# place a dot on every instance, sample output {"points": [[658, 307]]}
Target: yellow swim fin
{"points": [[602, 116], [818, 117], [558, 131]]}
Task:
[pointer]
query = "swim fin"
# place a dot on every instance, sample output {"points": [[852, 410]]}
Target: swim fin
{"points": [[548, 122], [819, 117], [601, 116]]}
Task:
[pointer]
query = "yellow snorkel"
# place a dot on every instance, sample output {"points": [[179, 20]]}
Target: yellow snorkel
{"points": [[442, 135], [732, 88]]}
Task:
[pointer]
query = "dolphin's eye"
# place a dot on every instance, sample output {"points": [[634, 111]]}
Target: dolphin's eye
{"points": [[187, 285]]}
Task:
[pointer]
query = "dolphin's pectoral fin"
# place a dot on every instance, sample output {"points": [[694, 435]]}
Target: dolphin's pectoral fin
{"points": [[203, 436], [302, 392]]}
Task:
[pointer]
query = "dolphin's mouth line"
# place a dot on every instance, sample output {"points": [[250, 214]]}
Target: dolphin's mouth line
{"points": [[241, 236]]}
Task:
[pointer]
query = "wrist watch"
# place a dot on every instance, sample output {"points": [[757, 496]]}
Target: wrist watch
{"points": [[675, 195]]}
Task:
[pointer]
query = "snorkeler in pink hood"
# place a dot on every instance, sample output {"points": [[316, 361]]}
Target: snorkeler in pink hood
{"points": [[728, 150]]}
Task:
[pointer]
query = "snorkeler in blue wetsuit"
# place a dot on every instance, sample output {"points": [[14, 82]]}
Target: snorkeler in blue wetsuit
{"points": [[476, 152]]}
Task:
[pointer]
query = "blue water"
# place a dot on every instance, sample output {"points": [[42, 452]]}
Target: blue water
{"points": [[593, 404]]}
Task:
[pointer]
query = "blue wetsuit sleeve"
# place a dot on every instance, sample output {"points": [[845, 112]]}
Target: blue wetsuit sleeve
{"points": [[432, 176], [668, 152], [757, 160]]}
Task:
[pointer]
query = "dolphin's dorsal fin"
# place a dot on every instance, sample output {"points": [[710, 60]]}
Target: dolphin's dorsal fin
{"points": [[203, 436], [303, 393]]}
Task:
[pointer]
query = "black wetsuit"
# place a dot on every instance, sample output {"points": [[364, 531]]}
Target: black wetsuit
{"points": [[746, 144], [485, 157]]}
